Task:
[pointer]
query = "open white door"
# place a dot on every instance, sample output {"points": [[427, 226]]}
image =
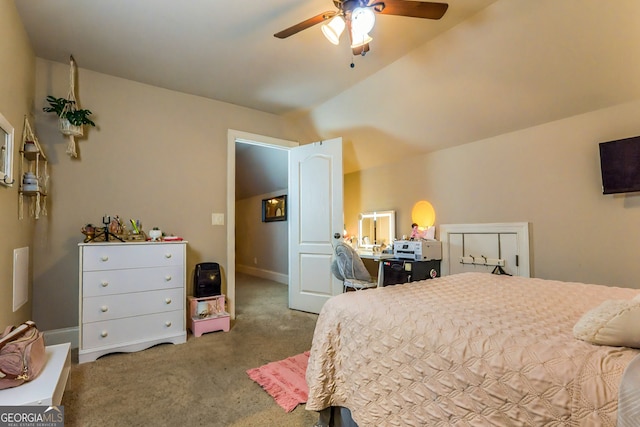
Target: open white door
{"points": [[315, 222]]}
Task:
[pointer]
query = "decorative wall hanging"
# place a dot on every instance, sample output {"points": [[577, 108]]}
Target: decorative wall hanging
{"points": [[34, 176], [71, 117], [274, 209]]}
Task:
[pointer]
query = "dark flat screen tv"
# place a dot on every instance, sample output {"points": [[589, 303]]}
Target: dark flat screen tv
{"points": [[620, 165]]}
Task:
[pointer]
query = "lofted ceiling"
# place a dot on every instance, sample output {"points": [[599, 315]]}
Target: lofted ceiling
{"points": [[487, 68], [260, 170], [223, 49]]}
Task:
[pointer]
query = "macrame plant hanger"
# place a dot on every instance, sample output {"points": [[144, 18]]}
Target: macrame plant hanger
{"points": [[65, 127]]}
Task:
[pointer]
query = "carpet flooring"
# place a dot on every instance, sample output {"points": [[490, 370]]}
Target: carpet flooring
{"points": [[202, 382]]}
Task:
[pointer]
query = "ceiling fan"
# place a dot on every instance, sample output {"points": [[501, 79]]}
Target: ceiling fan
{"points": [[358, 17]]}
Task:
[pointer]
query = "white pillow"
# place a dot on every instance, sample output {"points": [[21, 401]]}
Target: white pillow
{"points": [[614, 322]]}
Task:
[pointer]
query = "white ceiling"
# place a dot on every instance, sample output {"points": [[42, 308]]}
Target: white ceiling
{"points": [[223, 49], [260, 170], [488, 67]]}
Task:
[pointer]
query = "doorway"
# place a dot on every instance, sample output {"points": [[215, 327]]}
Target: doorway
{"points": [[260, 145]]}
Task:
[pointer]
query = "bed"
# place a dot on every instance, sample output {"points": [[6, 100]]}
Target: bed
{"points": [[470, 349]]}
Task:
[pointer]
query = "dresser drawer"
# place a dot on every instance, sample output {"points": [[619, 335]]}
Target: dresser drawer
{"points": [[132, 330], [96, 309], [132, 296], [131, 255], [109, 282]]}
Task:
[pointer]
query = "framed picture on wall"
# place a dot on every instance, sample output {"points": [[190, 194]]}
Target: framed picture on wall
{"points": [[274, 209]]}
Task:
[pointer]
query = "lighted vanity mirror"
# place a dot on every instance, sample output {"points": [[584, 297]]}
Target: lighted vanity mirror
{"points": [[376, 229], [6, 152]]}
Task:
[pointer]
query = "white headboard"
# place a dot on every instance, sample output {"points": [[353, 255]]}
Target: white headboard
{"points": [[480, 247]]}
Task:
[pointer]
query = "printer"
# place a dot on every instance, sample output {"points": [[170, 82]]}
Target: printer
{"points": [[417, 250]]}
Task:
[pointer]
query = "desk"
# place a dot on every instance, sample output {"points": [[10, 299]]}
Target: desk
{"points": [[49, 385], [397, 271], [377, 257]]}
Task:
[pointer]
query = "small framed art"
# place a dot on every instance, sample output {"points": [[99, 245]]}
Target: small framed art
{"points": [[274, 209]]}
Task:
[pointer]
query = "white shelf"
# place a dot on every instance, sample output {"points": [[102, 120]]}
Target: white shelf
{"points": [[33, 160], [49, 385]]}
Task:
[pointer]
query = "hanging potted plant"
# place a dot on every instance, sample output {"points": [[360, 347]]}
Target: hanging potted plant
{"points": [[71, 119]]}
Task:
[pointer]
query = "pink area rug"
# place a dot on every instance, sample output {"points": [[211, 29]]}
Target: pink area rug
{"points": [[284, 380]]}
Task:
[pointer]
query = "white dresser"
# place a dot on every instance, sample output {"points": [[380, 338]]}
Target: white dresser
{"points": [[132, 296]]}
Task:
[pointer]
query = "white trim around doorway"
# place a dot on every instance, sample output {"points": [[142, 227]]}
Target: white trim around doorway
{"points": [[234, 136]]}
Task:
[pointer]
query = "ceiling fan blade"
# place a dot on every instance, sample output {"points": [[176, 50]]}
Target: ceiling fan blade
{"points": [[414, 9], [305, 24]]}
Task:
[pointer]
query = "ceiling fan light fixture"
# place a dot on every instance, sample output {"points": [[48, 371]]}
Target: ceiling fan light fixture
{"points": [[362, 20], [360, 40], [334, 29]]}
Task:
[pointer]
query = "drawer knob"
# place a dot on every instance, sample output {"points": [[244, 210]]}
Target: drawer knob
{"points": [[167, 323], [104, 334], [104, 308], [104, 284], [104, 258], [167, 255], [167, 278], [168, 300]]}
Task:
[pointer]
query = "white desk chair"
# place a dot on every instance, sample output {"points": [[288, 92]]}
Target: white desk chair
{"points": [[348, 267]]}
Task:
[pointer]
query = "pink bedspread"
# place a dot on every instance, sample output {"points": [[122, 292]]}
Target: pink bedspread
{"points": [[471, 349]]}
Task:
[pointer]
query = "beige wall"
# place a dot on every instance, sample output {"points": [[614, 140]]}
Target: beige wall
{"points": [[514, 65], [266, 242], [17, 69], [547, 175], [160, 156], [156, 155]]}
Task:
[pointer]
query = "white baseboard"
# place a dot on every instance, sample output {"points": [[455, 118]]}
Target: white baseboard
{"points": [[61, 336], [265, 274]]}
